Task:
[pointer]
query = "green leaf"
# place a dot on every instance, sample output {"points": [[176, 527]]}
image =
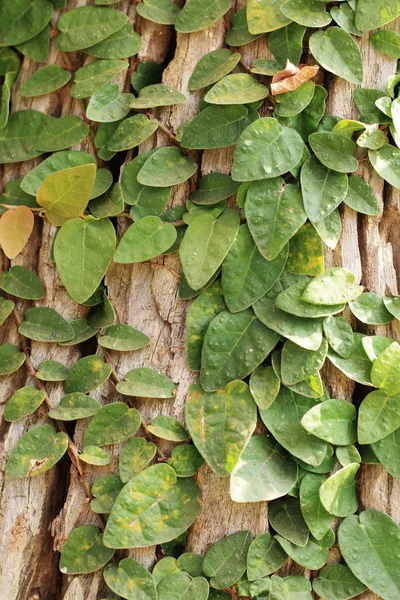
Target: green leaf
{"points": [[373, 137], [216, 127], [221, 423], [84, 552], [370, 15], [157, 94], [263, 472], [286, 44], [10, 359], [17, 138], [310, 13], [211, 239], [386, 162], [146, 73], [264, 557], [338, 493], [199, 14], [334, 286], [265, 15], [265, 150], [345, 18], [109, 204], [83, 250], [142, 520], [145, 239], [339, 334], [21, 20], [45, 325], [200, 314], [285, 517], [62, 133], [290, 300], [52, 370], [112, 424], [306, 255], [37, 48], [6, 308], [23, 402], [36, 452], [104, 492], [134, 457], [94, 455], [225, 561], [246, 275], [274, 213], [14, 195], [299, 587], [54, 163], [360, 197], [334, 151], [181, 585], [239, 88], [370, 309], [166, 166], [318, 519], [146, 383], [358, 366], [164, 567], [347, 455], [65, 194], [21, 282], [299, 363], [323, 189], [325, 466], [84, 26], [123, 338], [137, 194], [213, 188], [130, 580], [87, 374], [336, 51], [337, 582], [290, 104], [186, 461], [82, 332], [191, 563], [365, 101], [368, 543], [312, 556], [90, 78], [308, 120], [44, 81], [282, 419], [212, 67], [124, 43], [274, 587], [131, 132], [387, 42], [108, 105], [330, 229], [264, 386], [75, 406], [234, 345], [378, 416], [266, 66], [333, 421], [306, 333], [392, 304], [386, 369], [164, 12], [239, 34], [387, 453], [167, 428]]}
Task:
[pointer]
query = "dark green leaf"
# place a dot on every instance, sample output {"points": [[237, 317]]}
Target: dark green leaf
{"points": [[84, 26], [199, 14], [147, 383], [285, 517], [166, 166], [90, 78], [87, 374], [337, 52], [337, 582], [113, 424], [21, 282], [225, 561], [75, 406], [84, 552]]}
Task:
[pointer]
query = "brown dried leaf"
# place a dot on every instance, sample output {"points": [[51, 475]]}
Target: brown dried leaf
{"points": [[15, 228], [292, 77]]}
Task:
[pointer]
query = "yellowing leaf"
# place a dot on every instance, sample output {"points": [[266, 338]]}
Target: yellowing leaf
{"points": [[15, 228], [65, 194]]}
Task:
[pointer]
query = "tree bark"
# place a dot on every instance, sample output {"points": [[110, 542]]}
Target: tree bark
{"points": [[37, 513]]}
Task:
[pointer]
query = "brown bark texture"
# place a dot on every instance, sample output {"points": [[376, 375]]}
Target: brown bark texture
{"points": [[36, 515]]}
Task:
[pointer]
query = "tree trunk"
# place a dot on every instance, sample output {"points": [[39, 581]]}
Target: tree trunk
{"points": [[34, 511]]}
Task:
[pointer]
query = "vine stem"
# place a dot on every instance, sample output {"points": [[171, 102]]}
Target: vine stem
{"points": [[73, 451], [148, 262]]}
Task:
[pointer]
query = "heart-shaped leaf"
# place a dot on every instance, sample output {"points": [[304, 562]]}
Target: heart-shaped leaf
{"points": [[134, 457], [337, 52], [334, 286], [147, 383], [130, 580], [138, 520], [286, 518], [338, 493], [84, 26], [167, 428], [186, 461], [75, 406], [87, 374], [112, 424], [323, 189], [221, 423], [333, 421], [84, 552], [16, 227], [146, 239], [23, 402], [44, 324], [337, 582], [264, 557], [199, 14], [225, 561]]}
